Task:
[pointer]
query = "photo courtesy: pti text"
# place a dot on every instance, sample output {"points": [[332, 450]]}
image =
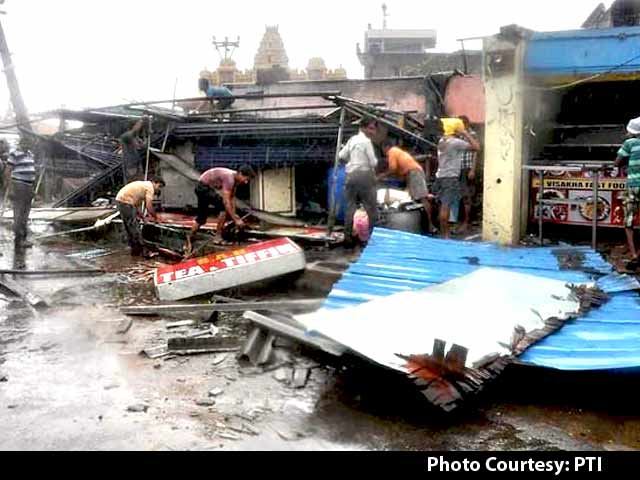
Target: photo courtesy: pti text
{"points": [[495, 464]]}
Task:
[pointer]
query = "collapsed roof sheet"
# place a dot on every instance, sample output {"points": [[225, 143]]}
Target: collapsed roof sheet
{"points": [[448, 338], [606, 338], [456, 312]]}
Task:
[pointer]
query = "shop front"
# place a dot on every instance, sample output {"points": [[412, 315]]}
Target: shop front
{"points": [[581, 88]]}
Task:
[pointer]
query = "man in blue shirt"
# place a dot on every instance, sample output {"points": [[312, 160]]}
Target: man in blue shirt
{"points": [[629, 155], [223, 95]]}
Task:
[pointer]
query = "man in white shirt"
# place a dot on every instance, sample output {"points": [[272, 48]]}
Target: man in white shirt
{"points": [[360, 185]]}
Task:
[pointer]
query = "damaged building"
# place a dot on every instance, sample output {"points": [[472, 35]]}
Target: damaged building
{"points": [[622, 13]]}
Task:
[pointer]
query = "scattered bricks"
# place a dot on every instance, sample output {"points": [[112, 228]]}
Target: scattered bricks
{"points": [[216, 392], [156, 352], [124, 326]]}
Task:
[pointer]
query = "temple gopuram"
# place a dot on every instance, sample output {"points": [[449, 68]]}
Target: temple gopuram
{"points": [[271, 64]]}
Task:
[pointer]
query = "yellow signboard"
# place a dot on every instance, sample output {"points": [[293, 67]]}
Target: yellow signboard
{"points": [[607, 185]]}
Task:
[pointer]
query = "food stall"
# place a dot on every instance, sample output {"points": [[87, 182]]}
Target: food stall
{"points": [[581, 88]]}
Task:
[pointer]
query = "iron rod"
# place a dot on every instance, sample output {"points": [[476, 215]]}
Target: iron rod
{"points": [[237, 97], [336, 163], [596, 203]]}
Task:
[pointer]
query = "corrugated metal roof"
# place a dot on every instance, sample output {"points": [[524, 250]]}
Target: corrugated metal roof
{"points": [[607, 338], [592, 51], [397, 261]]}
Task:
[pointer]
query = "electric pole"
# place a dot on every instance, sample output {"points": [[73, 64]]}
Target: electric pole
{"points": [[19, 108]]}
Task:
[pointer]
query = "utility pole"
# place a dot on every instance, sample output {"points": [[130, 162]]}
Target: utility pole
{"points": [[19, 108]]}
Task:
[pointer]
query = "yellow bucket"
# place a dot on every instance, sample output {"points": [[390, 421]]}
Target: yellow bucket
{"points": [[452, 125]]}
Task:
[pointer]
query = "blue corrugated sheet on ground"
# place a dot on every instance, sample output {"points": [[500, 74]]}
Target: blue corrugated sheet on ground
{"points": [[608, 338]]}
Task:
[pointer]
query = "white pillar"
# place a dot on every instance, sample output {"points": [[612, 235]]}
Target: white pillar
{"points": [[503, 146]]}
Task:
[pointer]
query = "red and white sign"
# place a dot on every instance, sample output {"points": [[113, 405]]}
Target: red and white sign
{"points": [[229, 269]]}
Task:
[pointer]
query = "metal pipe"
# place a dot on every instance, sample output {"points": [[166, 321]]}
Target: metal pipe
{"points": [[146, 169], [237, 97], [464, 58], [278, 305], [472, 38], [51, 272], [596, 203], [334, 186], [541, 207], [266, 109], [391, 125], [166, 137]]}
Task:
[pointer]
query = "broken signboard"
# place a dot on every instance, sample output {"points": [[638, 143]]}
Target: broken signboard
{"points": [[233, 268]]}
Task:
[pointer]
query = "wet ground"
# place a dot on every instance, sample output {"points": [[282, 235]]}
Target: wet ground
{"points": [[72, 380]]}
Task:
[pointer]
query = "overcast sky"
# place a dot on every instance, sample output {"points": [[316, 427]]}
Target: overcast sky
{"points": [[84, 53]]}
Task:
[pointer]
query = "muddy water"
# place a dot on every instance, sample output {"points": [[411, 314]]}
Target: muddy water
{"points": [[72, 380]]}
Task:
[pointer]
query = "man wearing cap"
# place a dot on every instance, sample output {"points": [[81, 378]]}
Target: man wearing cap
{"points": [[629, 156]]}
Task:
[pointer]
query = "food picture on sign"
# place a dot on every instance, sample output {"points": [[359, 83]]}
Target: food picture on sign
{"points": [[558, 212], [618, 216], [587, 209]]}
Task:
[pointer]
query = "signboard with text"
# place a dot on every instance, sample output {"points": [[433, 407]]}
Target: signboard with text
{"points": [[229, 269], [578, 189]]}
